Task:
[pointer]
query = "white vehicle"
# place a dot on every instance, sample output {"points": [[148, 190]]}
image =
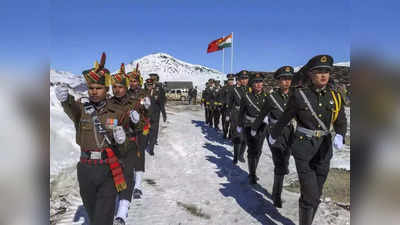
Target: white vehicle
{"points": [[181, 94]]}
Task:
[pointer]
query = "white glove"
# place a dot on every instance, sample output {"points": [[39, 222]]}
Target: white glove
{"points": [[253, 132], [119, 134], [271, 140], [62, 93], [227, 118], [239, 129], [338, 142], [135, 117], [147, 102], [265, 120]]}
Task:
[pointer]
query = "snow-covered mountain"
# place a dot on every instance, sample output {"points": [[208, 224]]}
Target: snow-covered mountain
{"points": [[166, 66], [172, 69]]}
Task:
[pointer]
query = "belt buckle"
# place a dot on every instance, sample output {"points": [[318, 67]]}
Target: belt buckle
{"points": [[95, 155], [318, 133]]}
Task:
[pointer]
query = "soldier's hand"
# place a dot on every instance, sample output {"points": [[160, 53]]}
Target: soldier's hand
{"points": [[253, 132], [119, 134], [146, 102], [265, 120], [135, 117], [338, 142], [62, 93], [227, 118], [271, 140], [165, 119], [239, 129]]}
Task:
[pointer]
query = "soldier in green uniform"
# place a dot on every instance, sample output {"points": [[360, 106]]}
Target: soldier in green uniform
{"points": [[235, 96], [130, 149], [272, 109], [136, 92], [319, 113], [250, 108], [217, 106], [98, 123]]}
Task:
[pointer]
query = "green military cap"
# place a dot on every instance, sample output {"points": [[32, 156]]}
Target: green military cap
{"points": [[230, 76], [284, 71], [320, 61], [258, 77], [244, 74], [210, 80]]}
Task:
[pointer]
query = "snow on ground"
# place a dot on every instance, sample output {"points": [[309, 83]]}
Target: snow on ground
{"points": [[192, 168]]}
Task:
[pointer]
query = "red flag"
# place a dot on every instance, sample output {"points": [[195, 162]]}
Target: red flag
{"points": [[213, 46]]}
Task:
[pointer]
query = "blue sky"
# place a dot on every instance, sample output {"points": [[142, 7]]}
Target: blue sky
{"points": [[267, 34]]}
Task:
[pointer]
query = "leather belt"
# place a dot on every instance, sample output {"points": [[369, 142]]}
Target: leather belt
{"points": [[312, 133]]}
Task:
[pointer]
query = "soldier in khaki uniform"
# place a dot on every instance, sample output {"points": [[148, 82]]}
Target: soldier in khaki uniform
{"points": [[98, 133], [130, 150], [321, 123], [137, 92]]}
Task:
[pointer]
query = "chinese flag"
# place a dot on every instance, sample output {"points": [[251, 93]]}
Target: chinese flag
{"points": [[213, 46]]}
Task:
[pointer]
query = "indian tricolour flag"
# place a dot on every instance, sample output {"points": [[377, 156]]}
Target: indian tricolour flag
{"points": [[220, 43]]}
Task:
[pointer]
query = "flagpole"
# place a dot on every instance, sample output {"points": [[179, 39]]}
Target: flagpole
{"points": [[223, 64], [232, 54]]}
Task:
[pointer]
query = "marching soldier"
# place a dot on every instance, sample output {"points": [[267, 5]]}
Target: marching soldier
{"points": [[157, 96], [210, 100], [235, 97], [98, 132], [250, 108], [319, 113], [129, 151], [273, 108], [136, 92], [224, 110], [204, 101], [194, 95], [217, 104]]}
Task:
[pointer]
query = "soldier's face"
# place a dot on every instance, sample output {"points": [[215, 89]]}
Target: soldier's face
{"points": [[97, 92], [244, 82], [258, 86], [134, 83], [320, 77], [230, 82], [119, 90], [285, 82]]}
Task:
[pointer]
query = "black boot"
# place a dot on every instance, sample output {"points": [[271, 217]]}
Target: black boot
{"points": [[305, 216], [277, 190], [252, 170], [235, 153]]}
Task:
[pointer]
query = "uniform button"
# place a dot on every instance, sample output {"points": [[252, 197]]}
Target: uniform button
{"points": [[320, 104], [319, 126], [320, 115], [301, 137]]}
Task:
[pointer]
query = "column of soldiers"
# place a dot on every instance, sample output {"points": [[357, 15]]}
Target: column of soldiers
{"points": [[113, 133], [305, 121]]}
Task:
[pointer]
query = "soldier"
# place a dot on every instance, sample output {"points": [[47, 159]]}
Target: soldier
{"points": [[129, 151], [250, 108], [204, 101], [217, 104], [318, 111], [136, 92], [224, 110], [210, 99], [96, 121], [273, 108], [157, 96], [235, 96]]}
